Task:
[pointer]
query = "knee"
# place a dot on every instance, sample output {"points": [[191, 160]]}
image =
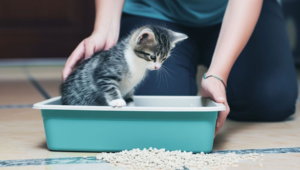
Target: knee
{"points": [[274, 108], [265, 108], [276, 113], [278, 104]]}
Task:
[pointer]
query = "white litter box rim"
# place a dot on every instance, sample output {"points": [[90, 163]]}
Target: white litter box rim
{"points": [[217, 106]]}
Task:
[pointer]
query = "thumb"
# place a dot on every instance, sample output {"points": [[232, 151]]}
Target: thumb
{"points": [[218, 97]]}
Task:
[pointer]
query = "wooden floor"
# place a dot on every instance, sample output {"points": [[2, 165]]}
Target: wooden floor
{"points": [[23, 144]]}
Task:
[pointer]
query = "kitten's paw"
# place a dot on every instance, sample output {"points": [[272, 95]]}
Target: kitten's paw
{"points": [[117, 103]]}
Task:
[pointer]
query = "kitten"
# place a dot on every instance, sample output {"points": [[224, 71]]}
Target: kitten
{"points": [[109, 77]]}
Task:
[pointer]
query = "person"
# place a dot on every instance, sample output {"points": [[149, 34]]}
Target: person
{"points": [[244, 44]]}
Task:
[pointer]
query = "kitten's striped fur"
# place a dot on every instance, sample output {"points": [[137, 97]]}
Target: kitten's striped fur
{"points": [[109, 77]]}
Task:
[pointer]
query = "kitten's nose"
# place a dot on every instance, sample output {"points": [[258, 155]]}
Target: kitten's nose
{"points": [[155, 67]]}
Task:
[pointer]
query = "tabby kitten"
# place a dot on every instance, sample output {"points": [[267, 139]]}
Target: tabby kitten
{"points": [[109, 77]]}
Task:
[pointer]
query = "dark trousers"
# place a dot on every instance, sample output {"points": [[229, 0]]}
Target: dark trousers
{"points": [[262, 85]]}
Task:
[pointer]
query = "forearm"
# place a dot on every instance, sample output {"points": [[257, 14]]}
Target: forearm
{"points": [[238, 24], [108, 14]]}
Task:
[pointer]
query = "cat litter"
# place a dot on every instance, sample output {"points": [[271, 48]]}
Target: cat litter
{"points": [[171, 160]]}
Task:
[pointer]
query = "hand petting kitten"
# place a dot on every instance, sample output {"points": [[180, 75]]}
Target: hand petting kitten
{"points": [[108, 78]]}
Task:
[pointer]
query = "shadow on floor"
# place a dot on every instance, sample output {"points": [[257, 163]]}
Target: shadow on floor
{"points": [[43, 145]]}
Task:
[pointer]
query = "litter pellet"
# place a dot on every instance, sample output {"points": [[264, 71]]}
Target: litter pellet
{"points": [[153, 158]]}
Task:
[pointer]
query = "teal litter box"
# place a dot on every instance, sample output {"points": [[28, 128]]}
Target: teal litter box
{"points": [[170, 122]]}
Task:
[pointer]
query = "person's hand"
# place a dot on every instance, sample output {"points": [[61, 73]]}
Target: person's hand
{"points": [[102, 40], [214, 89]]}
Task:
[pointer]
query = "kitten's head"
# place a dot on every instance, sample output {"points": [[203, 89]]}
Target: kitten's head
{"points": [[154, 44]]}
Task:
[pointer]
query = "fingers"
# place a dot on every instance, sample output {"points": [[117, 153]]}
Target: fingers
{"points": [[85, 50], [222, 118], [214, 89], [218, 95], [89, 49], [66, 73], [76, 56], [108, 45]]}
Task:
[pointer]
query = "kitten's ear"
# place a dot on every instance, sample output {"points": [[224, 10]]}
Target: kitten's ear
{"points": [[145, 36], [177, 37]]}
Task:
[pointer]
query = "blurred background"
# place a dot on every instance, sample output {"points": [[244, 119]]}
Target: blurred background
{"points": [[43, 29], [51, 29], [292, 16]]}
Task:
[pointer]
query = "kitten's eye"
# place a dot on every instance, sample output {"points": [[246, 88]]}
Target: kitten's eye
{"points": [[152, 57], [141, 52]]}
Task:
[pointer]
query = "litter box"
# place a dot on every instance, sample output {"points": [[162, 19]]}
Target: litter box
{"points": [[170, 122]]}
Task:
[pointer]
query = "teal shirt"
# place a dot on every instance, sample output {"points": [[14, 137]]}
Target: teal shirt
{"points": [[195, 13]]}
